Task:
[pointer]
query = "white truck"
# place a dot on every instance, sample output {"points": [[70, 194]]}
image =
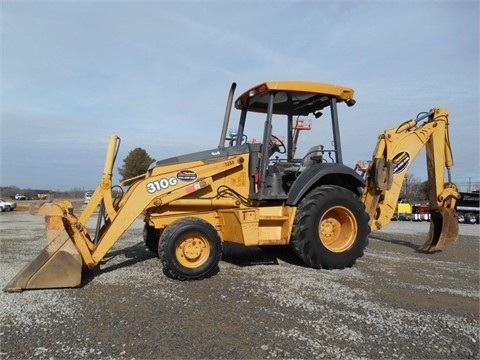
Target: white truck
{"points": [[7, 205]]}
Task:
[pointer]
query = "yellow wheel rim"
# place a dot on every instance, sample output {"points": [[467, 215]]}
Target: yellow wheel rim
{"points": [[192, 250], [338, 229]]}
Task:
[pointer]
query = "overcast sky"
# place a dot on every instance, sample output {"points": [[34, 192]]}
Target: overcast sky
{"points": [[157, 73]]}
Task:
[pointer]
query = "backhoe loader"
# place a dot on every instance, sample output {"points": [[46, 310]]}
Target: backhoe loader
{"points": [[253, 193]]}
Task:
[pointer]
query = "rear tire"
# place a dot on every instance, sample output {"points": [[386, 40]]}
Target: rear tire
{"points": [[331, 228], [461, 218], [190, 249]]}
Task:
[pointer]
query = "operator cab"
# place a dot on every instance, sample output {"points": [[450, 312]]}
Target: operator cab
{"points": [[275, 167]]}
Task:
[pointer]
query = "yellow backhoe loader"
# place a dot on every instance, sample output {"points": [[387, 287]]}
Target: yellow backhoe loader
{"points": [[253, 193]]}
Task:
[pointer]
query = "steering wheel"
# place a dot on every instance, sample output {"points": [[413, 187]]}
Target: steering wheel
{"points": [[276, 145]]}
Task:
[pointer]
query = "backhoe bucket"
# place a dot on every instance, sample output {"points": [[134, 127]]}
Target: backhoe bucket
{"points": [[58, 265], [443, 229]]}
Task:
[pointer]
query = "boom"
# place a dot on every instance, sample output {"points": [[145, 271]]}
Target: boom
{"points": [[395, 151]]}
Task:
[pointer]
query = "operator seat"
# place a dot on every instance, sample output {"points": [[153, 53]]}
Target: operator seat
{"points": [[314, 155]]}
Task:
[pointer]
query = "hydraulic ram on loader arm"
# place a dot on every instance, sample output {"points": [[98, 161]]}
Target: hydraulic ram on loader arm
{"points": [[70, 246], [395, 151]]}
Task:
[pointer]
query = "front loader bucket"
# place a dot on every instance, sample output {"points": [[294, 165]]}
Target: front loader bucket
{"points": [[58, 265], [443, 229]]}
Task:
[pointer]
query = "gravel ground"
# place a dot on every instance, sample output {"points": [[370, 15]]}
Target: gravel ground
{"points": [[394, 303]]}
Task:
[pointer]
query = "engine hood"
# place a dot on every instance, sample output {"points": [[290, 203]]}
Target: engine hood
{"points": [[206, 156]]}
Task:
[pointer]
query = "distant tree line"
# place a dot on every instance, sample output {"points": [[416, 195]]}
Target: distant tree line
{"points": [[136, 163], [9, 192]]}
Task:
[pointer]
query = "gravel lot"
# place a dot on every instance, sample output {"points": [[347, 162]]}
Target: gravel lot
{"points": [[394, 303]]}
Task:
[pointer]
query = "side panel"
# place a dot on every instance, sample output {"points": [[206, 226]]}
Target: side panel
{"points": [[270, 225], [321, 173], [240, 226], [275, 225]]}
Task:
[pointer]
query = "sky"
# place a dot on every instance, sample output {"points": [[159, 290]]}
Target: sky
{"points": [[157, 73]]}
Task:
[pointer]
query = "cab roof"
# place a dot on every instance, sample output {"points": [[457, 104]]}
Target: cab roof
{"points": [[292, 97]]}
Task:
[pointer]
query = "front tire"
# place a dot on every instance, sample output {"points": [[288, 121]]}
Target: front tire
{"points": [[190, 249], [331, 228], [151, 237]]}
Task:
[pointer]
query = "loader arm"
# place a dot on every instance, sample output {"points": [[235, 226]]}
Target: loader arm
{"points": [[395, 151], [147, 192], [70, 246]]}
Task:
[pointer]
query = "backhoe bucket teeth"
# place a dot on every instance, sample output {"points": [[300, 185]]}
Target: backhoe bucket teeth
{"points": [[443, 229], [58, 265]]}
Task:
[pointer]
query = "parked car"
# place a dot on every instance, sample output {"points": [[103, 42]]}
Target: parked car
{"points": [[7, 205], [88, 196], [20, 197]]}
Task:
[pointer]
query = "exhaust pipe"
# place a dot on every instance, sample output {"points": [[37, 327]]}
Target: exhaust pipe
{"points": [[226, 118]]}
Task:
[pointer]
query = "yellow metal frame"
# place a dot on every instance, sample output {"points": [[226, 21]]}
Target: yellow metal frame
{"points": [[234, 219], [395, 151], [340, 92], [218, 190]]}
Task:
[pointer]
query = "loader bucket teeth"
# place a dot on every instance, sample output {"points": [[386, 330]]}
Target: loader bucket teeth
{"points": [[58, 265], [443, 229]]}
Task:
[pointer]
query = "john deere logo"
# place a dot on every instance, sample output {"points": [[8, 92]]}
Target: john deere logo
{"points": [[400, 162], [187, 175]]}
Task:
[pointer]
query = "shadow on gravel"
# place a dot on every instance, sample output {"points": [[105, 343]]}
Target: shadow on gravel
{"points": [[241, 255], [234, 254], [135, 254], [396, 242]]}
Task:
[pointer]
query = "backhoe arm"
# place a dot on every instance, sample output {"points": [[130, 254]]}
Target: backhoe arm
{"points": [[395, 151]]}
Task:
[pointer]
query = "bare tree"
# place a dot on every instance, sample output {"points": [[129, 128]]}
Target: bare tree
{"points": [[413, 189]]}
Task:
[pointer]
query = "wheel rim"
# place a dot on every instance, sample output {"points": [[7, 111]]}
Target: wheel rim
{"points": [[338, 229], [192, 250]]}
